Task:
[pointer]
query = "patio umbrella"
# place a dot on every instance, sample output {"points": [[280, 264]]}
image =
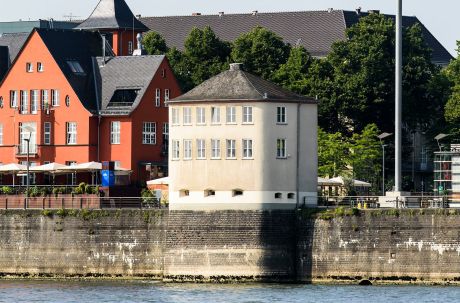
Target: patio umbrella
{"points": [[328, 182], [52, 168], [13, 169], [356, 183], [91, 167], [161, 181]]}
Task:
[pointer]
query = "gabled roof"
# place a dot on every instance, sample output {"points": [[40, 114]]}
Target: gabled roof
{"points": [[14, 42], [112, 14], [315, 30], [238, 85], [125, 73], [75, 46]]}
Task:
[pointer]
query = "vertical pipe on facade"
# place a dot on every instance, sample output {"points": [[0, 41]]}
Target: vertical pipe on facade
{"points": [[398, 99], [297, 185], [94, 61]]}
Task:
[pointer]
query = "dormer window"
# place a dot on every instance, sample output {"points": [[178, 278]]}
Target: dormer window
{"points": [[75, 67], [123, 97], [29, 67]]}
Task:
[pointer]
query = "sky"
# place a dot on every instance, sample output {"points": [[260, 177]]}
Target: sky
{"points": [[440, 17]]}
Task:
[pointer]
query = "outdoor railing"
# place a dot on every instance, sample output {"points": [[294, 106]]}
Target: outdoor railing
{"points": [[78, 202], [369, 202]]}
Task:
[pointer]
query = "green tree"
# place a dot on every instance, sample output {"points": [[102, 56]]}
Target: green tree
{"points": [[205, 54], [332, 154], [261, 51], [362, 79], [180, 68], [154, 44], [294, 74], [452, 72], [365, 155]]}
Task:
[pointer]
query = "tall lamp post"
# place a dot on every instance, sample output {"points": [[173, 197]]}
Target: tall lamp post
{"points": [[382, 137], [29, 130], [440, 137], [398, 97]]}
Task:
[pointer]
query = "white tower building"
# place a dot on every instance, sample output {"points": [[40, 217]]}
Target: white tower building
{"points": [[240, 142]]}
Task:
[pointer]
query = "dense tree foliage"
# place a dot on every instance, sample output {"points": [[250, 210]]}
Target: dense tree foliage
{"points": [[355, 157], [261, 51], [154, 44], [354, 83]]}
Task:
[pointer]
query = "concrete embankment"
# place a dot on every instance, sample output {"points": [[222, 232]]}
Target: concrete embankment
{"points": [[380, 246]]}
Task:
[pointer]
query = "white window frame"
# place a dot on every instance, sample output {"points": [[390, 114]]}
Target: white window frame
{"points": [[165, 134], [200, 116], [157, 97], [55, 97], [130, 48], [188, 149], [149, 133], [34, 100], [40, 67], [1, 134], [71, 133], [231, 149], [247, 115], [215, 149], [47, 133], [201, 149], [281, 115], [45, 99], [167, 94], [281, 148], [248, 152], [175, 116], [215, 115], [29, 67], [187, 116], [14, 99], [24, 102], [175, 152], [115, 132], [231, 115]]}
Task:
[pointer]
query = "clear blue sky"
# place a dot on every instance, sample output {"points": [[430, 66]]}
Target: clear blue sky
{"points": [[440, 17]]}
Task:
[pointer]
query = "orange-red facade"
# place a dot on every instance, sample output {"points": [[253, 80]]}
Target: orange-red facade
{"points": [[35, 72]]}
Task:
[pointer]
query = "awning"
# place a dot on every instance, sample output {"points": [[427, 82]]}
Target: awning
{"points": [[161, 181]]}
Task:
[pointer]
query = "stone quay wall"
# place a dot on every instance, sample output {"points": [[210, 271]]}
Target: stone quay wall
{"points": [[380, 246]]}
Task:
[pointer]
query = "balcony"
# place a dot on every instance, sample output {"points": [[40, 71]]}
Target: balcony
{"points": [[21, 151]]}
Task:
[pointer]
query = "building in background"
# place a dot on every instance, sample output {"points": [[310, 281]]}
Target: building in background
{"points": [[84, 104], [315, 30], [240, 142]]}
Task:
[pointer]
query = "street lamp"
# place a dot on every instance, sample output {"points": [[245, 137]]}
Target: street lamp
{"points": [[30, 130], [381, 137], [440, 137]]}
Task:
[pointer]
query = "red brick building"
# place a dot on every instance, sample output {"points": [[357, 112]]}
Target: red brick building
{"points": [[84, 105]]}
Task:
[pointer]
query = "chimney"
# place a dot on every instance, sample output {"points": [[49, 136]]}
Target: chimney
{"points": [[138, 16], [374, 11], [236, 67], [103, 49], [221, 14], [358, 10], [254, 13], [140, 48], [196, 14]]}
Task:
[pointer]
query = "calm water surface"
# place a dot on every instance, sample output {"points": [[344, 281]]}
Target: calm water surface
{"points": [[65, 292]]}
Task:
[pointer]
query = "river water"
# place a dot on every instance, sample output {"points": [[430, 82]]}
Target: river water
{"points": [[65, 292]]}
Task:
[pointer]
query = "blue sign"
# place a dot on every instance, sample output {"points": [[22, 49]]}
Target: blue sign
{"points": [[108, 178]]}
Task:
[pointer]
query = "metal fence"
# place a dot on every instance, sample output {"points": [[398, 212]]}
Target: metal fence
{"points": [[78, 202], [369, 202]]}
